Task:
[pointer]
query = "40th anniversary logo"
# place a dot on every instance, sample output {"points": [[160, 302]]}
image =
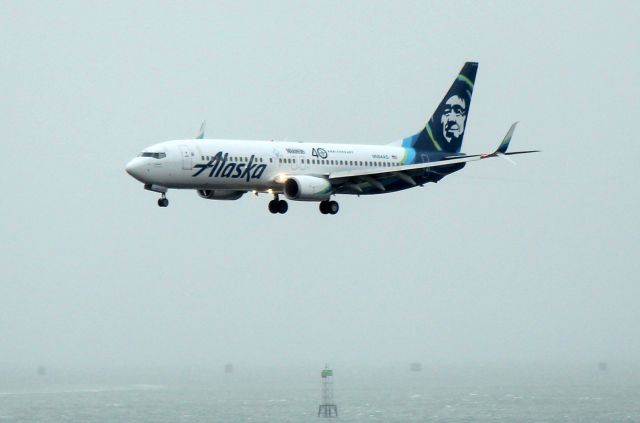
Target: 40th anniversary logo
{"points": [[319, 152]]}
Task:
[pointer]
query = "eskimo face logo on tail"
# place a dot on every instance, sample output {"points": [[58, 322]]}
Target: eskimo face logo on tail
{"points": [[454, 116], [220, 167]]}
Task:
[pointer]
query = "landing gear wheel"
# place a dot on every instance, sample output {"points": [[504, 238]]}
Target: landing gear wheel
{"points": [[163, 202], [274, 206], [324, 209], [282, 207], [333, 207]]}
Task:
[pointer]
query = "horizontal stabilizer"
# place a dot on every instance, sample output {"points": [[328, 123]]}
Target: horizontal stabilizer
{"points": [[522, 152]]}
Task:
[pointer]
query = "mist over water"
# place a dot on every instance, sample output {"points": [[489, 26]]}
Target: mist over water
{"points": [[390, 393]]}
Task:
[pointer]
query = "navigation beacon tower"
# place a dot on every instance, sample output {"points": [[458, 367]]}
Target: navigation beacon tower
{"points": [[327, 406]]}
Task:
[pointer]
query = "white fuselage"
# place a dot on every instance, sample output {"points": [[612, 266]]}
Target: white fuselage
{"points": [[254, 165]]}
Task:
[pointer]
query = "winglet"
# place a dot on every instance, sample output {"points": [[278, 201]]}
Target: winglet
{"points": [[502, 148], [201, 132], [501, 151]]}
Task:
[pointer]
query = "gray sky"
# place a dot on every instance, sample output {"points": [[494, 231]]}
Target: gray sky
{"points": [[536, 262]]}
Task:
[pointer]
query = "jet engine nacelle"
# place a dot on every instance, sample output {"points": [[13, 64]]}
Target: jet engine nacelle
{"points": [[307, 188], [217, 194]]}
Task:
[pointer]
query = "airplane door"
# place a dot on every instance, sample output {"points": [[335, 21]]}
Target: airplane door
{"points": [[186, 157]]}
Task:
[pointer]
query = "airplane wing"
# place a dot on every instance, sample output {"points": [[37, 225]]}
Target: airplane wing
{"points": [[354, 180], [351, 180]]}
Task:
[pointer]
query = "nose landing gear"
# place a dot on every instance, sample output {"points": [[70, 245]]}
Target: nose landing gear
{"points": [[278, 206], [163, 202]]}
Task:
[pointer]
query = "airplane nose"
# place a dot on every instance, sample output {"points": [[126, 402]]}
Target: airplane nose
{"points": [[135, 168]]}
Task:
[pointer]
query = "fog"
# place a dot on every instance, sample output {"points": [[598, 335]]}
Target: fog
{"points": [[536, 262]]}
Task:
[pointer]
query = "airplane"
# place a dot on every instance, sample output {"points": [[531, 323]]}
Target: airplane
{"points": [[223, 169]]}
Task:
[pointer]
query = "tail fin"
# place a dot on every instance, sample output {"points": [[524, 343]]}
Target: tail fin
{"points": [[445, 129]]}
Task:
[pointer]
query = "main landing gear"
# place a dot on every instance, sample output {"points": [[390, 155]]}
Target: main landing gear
{"points": [[163, 202], [278, 206], [329, 207]]}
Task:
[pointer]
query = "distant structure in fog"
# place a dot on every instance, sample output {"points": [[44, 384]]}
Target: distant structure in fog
{"points": [[228, 368], [602, 366], [327, 407], [42, 371], [415, 367]]}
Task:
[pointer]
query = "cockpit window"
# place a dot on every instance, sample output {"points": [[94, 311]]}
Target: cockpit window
{"points": [[154, 155]]}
